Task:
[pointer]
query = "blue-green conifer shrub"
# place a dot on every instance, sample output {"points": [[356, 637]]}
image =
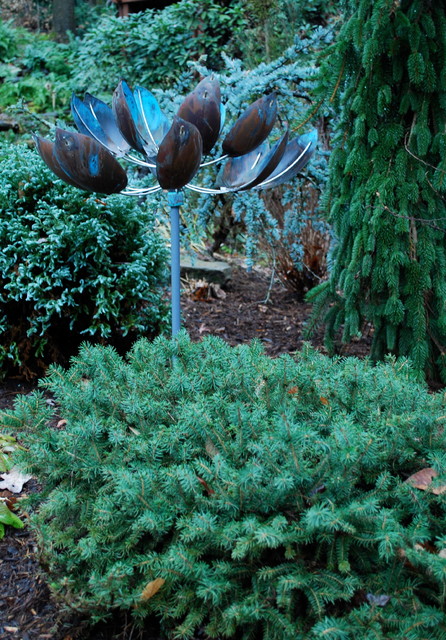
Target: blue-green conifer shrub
{"points": [[221, 490], [72, 266]]}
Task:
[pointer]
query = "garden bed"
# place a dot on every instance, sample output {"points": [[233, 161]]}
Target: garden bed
{"points": [[248, 308]]}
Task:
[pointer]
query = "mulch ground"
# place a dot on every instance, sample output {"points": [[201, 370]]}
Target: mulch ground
{"points": [[248, 308]]}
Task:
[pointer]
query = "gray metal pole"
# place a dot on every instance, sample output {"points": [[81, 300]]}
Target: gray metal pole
{"points": [[175, 199]]}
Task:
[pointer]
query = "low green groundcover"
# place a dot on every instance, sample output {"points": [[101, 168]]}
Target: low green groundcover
{"points": [[219, 489]]}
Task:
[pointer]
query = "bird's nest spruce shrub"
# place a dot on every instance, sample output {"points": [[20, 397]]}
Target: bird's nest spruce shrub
{"points": [[71, 266], [221, 490]]}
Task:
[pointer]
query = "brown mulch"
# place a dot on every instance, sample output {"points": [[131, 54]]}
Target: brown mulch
{"points": [[248, 308]]}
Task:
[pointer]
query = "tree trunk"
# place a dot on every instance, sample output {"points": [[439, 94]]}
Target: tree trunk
{"points": [[63, 18]]}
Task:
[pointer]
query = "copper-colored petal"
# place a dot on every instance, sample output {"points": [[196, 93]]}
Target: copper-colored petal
{"points": [[46, 151], [179, 155], [252, 127], [202, 109], [86, 163], [126, 113]]}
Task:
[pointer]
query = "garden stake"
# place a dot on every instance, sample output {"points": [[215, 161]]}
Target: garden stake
{"points": [[175, 199]]}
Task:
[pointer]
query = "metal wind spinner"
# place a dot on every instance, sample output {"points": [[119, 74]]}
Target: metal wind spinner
{"points": [[173, 152]]}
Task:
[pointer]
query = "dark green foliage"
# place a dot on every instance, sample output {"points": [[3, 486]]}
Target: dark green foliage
{"points": [[33, 69], [387, 179], [152, 48], [71, 265], [268, 494]]}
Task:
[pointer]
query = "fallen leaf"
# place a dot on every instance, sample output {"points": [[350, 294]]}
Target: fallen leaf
{"points": [[205, 485], [14, 480], [61, 424], [293, 391], [423, 480], [8, 498], [201, 293], [151, 588], [324, 401], [217, 291]]}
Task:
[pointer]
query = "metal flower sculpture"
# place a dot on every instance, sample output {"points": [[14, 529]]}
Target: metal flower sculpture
{"points": [[173, 152]]}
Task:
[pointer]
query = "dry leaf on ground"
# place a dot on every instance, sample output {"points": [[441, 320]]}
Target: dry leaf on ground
{"points": [[14, 480], [423, 480], [151, 588]]}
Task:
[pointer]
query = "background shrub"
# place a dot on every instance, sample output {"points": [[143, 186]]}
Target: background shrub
{"points": [[33, 69], [254, 497], [152, 48], [71, 265]]}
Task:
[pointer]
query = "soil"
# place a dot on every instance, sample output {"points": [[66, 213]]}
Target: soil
{"points": [[250, 306]]}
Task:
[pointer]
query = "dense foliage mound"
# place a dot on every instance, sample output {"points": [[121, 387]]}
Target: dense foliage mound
{"points": [[217, 488], [71, 265]]}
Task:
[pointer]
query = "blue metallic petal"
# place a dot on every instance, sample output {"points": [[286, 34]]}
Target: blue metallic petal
{"points": [[247, 171], [222, 116], [87, 123], [152, 123], [104, 115], [297, 154]]}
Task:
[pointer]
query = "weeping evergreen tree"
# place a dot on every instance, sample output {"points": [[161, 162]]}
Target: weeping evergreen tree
{"points": [[387, 191]]}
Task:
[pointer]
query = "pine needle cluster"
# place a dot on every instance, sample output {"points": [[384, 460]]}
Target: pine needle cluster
{"points": [[219, 489], [386, 198]]}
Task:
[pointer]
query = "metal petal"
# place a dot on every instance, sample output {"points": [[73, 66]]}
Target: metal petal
{"points": [[152, 123], [297, 154], [82, 162], [202, 108], [179, 155], [252, 127], [46, 150], [104, 115], [127, 115], [88, 124], [249, 170]]}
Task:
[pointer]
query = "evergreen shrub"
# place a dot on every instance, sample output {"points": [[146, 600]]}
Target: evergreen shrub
{"points": [[33, 69], [219, 489], [71, 266], [386, 74], [152, 48]]}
